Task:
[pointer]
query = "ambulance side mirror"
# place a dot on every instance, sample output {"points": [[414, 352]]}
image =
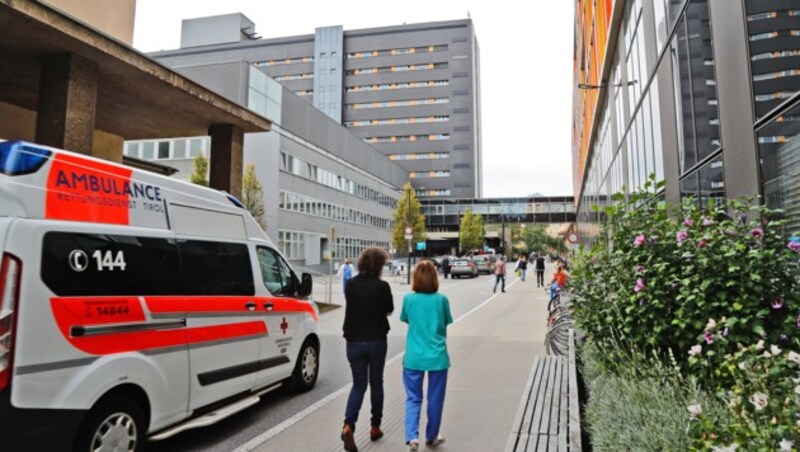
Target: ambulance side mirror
{"points": [[304, 289]]}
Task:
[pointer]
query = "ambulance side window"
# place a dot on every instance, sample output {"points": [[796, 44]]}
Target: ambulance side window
{"points": [[76, 264], [216, 268], [278, 277]]}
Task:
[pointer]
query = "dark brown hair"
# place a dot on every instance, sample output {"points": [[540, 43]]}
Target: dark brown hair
{"points": [[425, 278], [371, 262]]}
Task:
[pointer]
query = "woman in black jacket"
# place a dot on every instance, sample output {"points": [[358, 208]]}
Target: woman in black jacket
{"points": [[366, 325]]}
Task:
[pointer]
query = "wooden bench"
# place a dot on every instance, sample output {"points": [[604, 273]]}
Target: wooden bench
{"points": [[548, 418]]}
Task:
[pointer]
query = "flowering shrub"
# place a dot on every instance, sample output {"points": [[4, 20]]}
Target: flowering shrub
{"points": [[763, 401], [658, 274]]}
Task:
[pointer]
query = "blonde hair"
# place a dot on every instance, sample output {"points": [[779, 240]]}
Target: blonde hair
{"points": [[425, 278]]}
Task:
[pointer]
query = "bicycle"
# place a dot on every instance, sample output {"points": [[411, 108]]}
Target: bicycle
{"points": [[559, 322]]}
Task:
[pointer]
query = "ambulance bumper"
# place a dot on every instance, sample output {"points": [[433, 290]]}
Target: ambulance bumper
{"points": [[37, 429]]}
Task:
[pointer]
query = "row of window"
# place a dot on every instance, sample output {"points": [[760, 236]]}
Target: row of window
{"points": [[284, 61], [420, 156], [428, 174], [402, 68], [304, 92], [775, 34], [400, 85], [166, 149], [502, 208], [773, 15], [395, 121], [303, 204], [434, 192], [283, 78], [777, 54], [322, 176], [398, 51], [401, 138], [292, 245], [398, 103]]}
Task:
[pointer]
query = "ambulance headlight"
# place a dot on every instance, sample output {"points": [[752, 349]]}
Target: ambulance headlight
{"points": [[18, 158]]}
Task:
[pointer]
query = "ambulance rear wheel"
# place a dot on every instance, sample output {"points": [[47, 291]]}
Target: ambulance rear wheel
{"points": [[115, 423], [306, 369]]}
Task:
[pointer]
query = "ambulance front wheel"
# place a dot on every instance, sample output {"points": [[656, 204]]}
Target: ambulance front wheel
{"points": [[115, 423], [306, 370]]}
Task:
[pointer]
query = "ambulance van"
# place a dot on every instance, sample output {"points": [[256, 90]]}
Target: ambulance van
{"points": [[134, 306]]}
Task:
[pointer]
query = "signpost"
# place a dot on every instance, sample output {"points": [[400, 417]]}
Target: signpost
{"points": [[329, 255], [409, 235]]}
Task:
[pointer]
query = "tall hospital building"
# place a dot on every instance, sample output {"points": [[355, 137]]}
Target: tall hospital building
{"points": [[410, 91], [705, 94]]}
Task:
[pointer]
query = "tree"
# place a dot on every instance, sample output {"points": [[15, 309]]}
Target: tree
{"points": [[402, 215], [471, 231], [200, 174], [534, 237], [253, 195]]}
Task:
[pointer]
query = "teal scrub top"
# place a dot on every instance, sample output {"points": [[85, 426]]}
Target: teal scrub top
{"points": [[427, 316]]}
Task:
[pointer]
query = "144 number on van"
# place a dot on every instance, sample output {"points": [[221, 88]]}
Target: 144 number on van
{"points": [[106, 260]]}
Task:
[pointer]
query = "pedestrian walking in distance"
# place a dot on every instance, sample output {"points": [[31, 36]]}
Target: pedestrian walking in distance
{"points": [[446, 266], [368, 305], [345, 272], [539, 270], [500, 274], [522, 266], [427, 313]]}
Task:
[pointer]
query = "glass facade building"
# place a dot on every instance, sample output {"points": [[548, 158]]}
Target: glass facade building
{"points": [[698, 93]]}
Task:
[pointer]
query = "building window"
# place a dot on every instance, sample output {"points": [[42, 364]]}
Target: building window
{"points": [[779, 148], [398, 103], [163, 150]]}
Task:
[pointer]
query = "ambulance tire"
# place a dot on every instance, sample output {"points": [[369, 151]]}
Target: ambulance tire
{"points": [[306, 370], [115, 412]]}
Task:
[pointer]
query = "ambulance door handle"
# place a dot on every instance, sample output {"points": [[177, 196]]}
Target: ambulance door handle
{"points": [[269, 306], [250, 306]]}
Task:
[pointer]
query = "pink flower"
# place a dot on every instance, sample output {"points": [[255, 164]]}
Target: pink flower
{"points": [[707, 221], [702, 243], [681, 236], [688, 222], [696, 350], [777, 303], [794, 245], [757, 232], [639, 285], [639, 269], [725, 332], [639, 240], [708, 337]]}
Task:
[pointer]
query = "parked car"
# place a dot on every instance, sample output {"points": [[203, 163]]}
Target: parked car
{"points": [[483, 264], [463, 267]]}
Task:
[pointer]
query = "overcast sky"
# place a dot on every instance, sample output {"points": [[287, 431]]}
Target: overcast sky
{"points": [[526, 69]]}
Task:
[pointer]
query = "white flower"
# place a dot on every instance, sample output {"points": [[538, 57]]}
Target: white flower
{"points": [[734, 401], [711, 324], [766, 354], [759, 400], [729, 448], [794, 357], [695, 410], [786, 445], [742, 365], [775, 350], [696, 350], [760, 345]]}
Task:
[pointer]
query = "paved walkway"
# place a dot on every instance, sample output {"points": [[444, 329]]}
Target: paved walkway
{"points": [[492, 349]]}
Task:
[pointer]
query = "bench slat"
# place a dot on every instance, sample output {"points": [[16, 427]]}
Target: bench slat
{"points": [[547, 406], [574, 423], [558, 397], [540, 401]]}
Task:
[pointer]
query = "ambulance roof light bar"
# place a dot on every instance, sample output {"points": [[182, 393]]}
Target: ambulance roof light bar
{"points": [[19, 157]]}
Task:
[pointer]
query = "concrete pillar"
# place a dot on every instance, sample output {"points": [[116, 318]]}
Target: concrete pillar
{"points": [[226, 158], [734, 91], [67, 102]]}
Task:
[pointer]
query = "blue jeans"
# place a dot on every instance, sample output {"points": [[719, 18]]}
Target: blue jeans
{"points": [[522, 271], [437, 384], [500, 279], [367, 360]]}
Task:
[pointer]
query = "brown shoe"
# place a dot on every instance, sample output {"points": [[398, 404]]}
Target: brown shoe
{"points": [[375, 433], [347, 438]]}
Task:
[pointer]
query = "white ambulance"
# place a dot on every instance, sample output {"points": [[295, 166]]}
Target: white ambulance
{"points": [[134, 306]]}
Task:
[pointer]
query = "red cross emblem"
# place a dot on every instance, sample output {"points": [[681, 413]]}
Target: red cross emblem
{"points": [[284, 325]]}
